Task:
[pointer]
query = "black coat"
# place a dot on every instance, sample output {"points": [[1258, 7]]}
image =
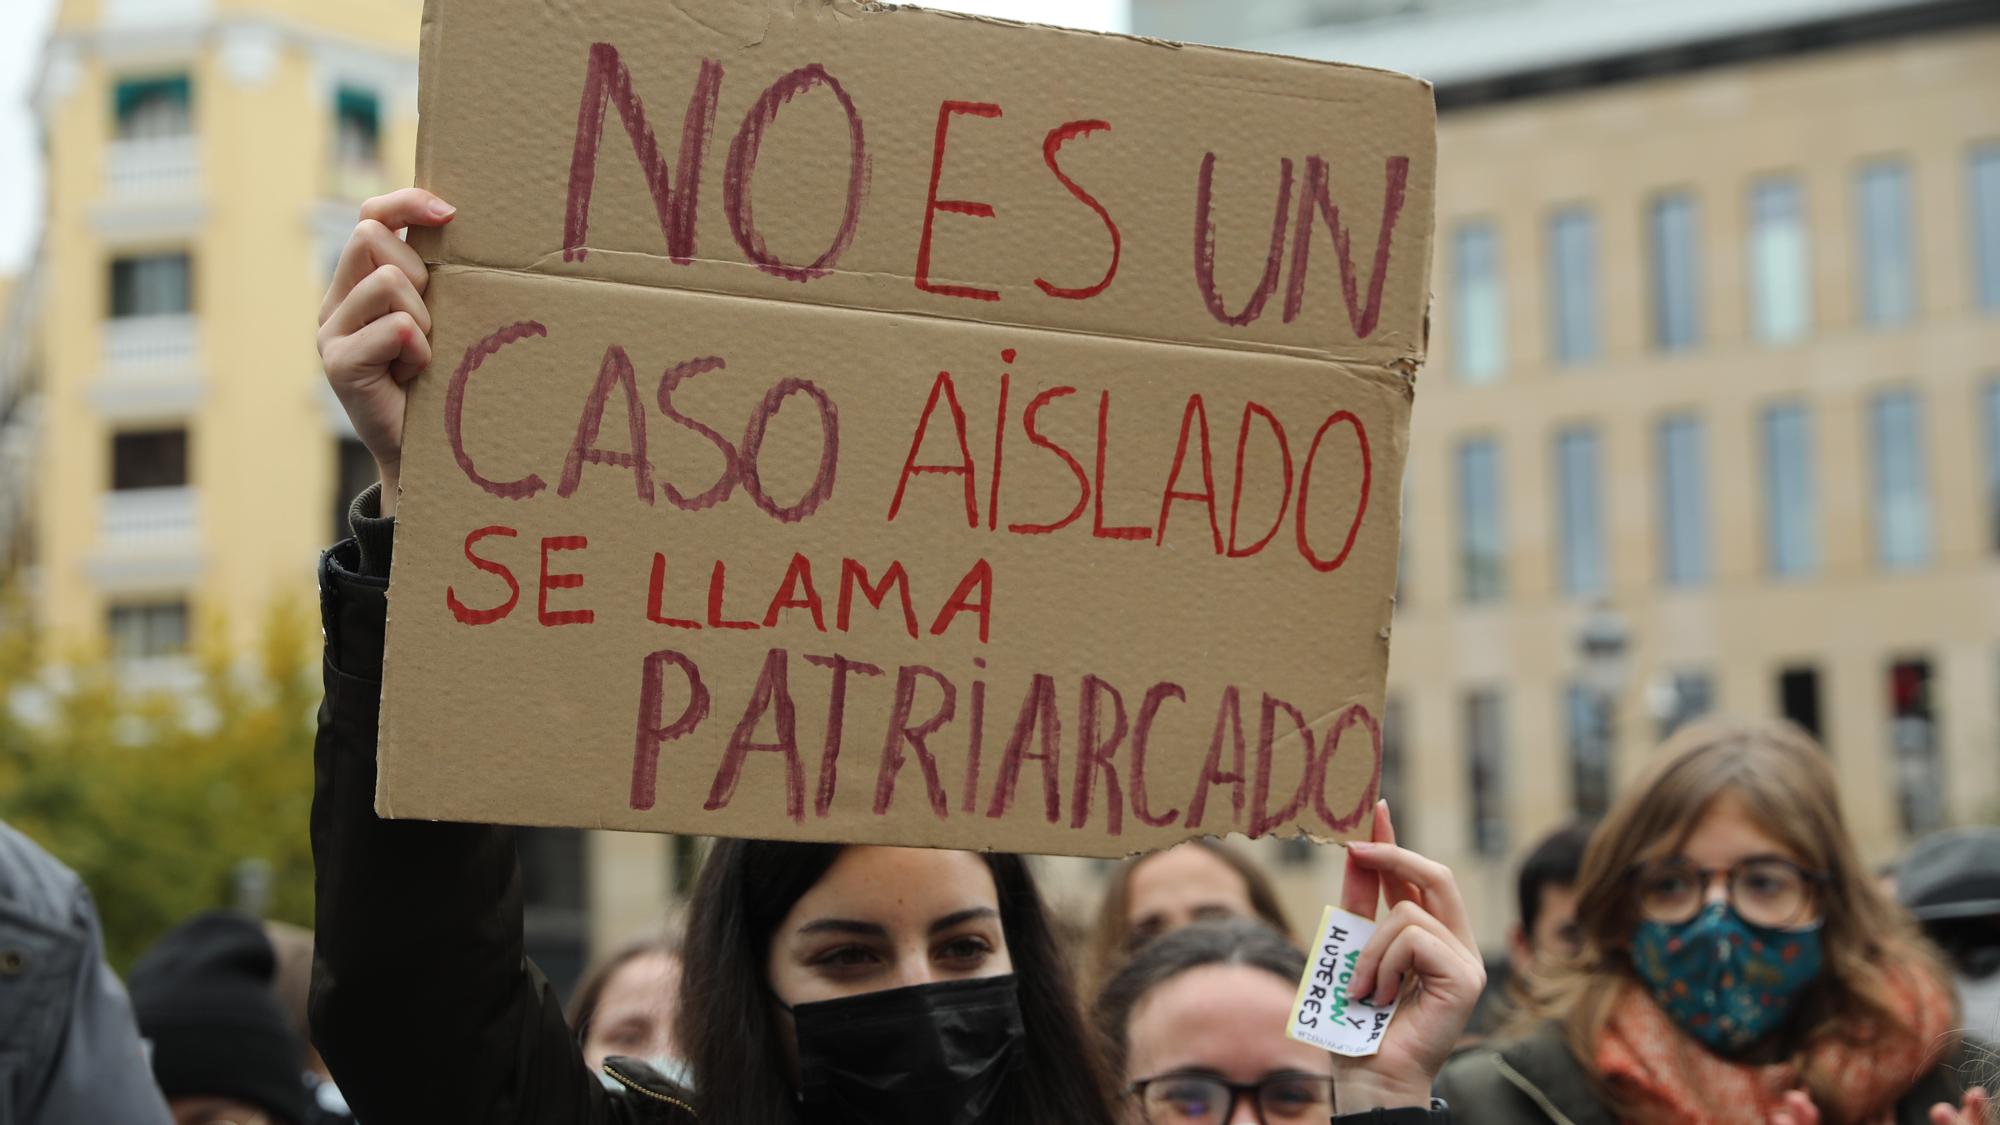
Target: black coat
{"points": [[1537, 1081], [424, 1005]]}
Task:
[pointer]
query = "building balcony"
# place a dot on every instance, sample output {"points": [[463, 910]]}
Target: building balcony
{"points": [[140, 346], [145, 545], [147, 521], [150, 366], [351, 181], [146, 537], [151, 169], [135, 14]]}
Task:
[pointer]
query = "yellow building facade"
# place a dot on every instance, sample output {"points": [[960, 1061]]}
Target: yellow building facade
{"points": [[203, 161]]}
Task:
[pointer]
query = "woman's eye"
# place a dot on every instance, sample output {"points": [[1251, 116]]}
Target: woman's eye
{"points": [[965, 949], [848, 957]]}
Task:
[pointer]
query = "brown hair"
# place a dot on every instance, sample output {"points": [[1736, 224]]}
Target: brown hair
{"points": [[1783, 779], [1237, 941], [1110, 942], [589, 992]]}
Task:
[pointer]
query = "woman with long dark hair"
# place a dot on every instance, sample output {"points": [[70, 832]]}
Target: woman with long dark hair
{"points": [[879, 985]]}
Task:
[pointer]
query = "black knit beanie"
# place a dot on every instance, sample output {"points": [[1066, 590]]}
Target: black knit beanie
{"points": [[204, 1001]]}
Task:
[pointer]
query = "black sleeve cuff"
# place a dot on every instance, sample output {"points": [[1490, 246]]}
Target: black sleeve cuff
{"points": [[354, 612], [374, 534]]}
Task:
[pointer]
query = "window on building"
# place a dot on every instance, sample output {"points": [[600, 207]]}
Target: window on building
{"points": [[1799, 699], [554, 904], [1481, 539], [1985, 190], [148, 630], [1573, 284], [1791, 514], [1676, 272], [1396, 768], [1902, 494], [1589, 721], [1990, 404], [1780, 262], [1683, 501], [354, 471], [152, 108], [152, 285], [1683, 696], [1913, 732], [1479, 309], [1485, 746], [149, 459], [1888, 255], [1579, 512], [357, 132]]}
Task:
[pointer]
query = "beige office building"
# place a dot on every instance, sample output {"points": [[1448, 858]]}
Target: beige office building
{"points": [[1714, 378]]}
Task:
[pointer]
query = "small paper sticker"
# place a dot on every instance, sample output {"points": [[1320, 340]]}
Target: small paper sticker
{"points": [[1322, 1013]]}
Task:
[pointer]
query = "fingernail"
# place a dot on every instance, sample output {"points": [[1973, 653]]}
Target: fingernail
{"points": [[441, 210], [1362, 846]]}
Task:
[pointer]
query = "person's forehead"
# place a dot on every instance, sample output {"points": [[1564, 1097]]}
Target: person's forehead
{"points": [[642, 977], [1226, 1018], [1186, 872], [1728, 830], [878, 883]]}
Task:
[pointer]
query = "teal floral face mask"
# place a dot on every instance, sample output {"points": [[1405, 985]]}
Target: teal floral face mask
{"points": [[1724, 981]]}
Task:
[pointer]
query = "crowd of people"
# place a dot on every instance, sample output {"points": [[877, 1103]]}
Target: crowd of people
{"points": [[1713, 952]]}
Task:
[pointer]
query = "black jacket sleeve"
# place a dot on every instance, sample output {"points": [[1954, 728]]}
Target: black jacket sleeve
{"points": [[423, 1002]]}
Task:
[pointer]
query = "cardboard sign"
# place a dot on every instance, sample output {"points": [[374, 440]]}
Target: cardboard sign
{"points": [[1322, 1012], [871, 424]]}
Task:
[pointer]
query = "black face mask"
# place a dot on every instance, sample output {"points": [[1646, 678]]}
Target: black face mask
{"points": [[931, 1054]]}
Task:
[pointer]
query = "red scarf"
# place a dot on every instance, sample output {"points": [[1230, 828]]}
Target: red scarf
{"points": [[1665, 1076]]}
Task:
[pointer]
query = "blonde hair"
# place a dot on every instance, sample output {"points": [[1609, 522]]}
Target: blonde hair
{"points": [[1782, 778]]}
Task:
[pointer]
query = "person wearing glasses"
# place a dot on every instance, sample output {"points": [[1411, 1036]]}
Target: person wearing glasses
{"points": [[1736, 963], [1194, 1022]]}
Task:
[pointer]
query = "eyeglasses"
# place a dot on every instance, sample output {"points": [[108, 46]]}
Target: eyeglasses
{"points": [[1764, 890], [1205, 1099]]}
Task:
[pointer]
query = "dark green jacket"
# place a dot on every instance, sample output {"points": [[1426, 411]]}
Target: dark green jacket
{"points": [[1537, 1080]]}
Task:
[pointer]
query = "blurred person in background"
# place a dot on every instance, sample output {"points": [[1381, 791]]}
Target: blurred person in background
{"points": [[293, 986], [1193, 1024], [1736, 962], [1951, 882], [69, 1050], [222, 1051], [1544, 931], [1159, 892], [625, 1005]]}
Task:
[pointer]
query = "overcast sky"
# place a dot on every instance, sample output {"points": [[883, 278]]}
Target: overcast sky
{"points": [[20, 168]]}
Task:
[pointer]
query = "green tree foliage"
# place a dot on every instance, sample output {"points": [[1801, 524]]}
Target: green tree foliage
{"points": [[158, 801]]}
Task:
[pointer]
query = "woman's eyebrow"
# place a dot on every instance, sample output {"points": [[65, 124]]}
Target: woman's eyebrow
{"points": [[843, 926], [961, 917]]}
